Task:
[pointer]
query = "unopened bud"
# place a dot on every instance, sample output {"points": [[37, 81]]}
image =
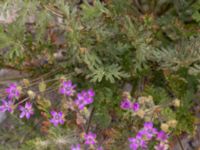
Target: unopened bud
{"points": [[149, 99], [62, 78], [126, 95], [26, 82], [140, 113], [176, 102], [31, 94], [172, 123], [164, 127], [142, 99], [42, 86], [83, 50], [82, 135], [19, 88]]}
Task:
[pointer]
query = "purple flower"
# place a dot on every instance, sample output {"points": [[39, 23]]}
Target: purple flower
{"points": [[7, 106], [26, 111], [76, 147], [125, 104], [149, 131], [161, 146], [84, 98], [88, 96], [142, 133], [136, 106], [13, 91], [80, 103], [162, 136], [57, 118], [137, 142], [148, 125], [90, 138], [91, 93], [67, 88]]}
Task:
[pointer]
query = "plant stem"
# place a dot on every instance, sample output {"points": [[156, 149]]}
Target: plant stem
{"points": [[90, 119], [180, 143]]}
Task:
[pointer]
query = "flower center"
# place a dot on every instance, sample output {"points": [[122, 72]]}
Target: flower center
{"points": [[90, 139], [13, 91], [57, 117], [26, 110]]}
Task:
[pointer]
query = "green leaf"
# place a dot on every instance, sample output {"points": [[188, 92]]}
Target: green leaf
{"points": [[103, 119], [109, 73]]}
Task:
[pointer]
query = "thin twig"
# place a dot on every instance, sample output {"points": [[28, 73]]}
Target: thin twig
{"points": [[48, 74], [180, 143], [139, 7], [27, 98], [54, 10], [90, 119]]}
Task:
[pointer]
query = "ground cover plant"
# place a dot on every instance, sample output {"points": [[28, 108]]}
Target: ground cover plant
{"points": [[99, 75]]}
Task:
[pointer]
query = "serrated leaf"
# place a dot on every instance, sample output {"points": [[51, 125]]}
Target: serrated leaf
{"points": [[110, 73]]}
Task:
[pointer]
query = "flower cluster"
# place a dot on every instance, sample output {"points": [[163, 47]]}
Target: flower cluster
{"points": [[126, 104], [145, 135], [13, 91], [67, 88], [90, 140], [84, 98]]}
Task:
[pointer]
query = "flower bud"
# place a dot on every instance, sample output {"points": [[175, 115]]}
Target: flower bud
{"points": [[62, 78], [126, 95], [86, 112], [172, 123], [148, 99], [140, 113], [142, 99], [19, 88], [82, 134], [176, 103], [42, 86], [83, 50], [26, 82], [164, 127], [31, 94]]}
